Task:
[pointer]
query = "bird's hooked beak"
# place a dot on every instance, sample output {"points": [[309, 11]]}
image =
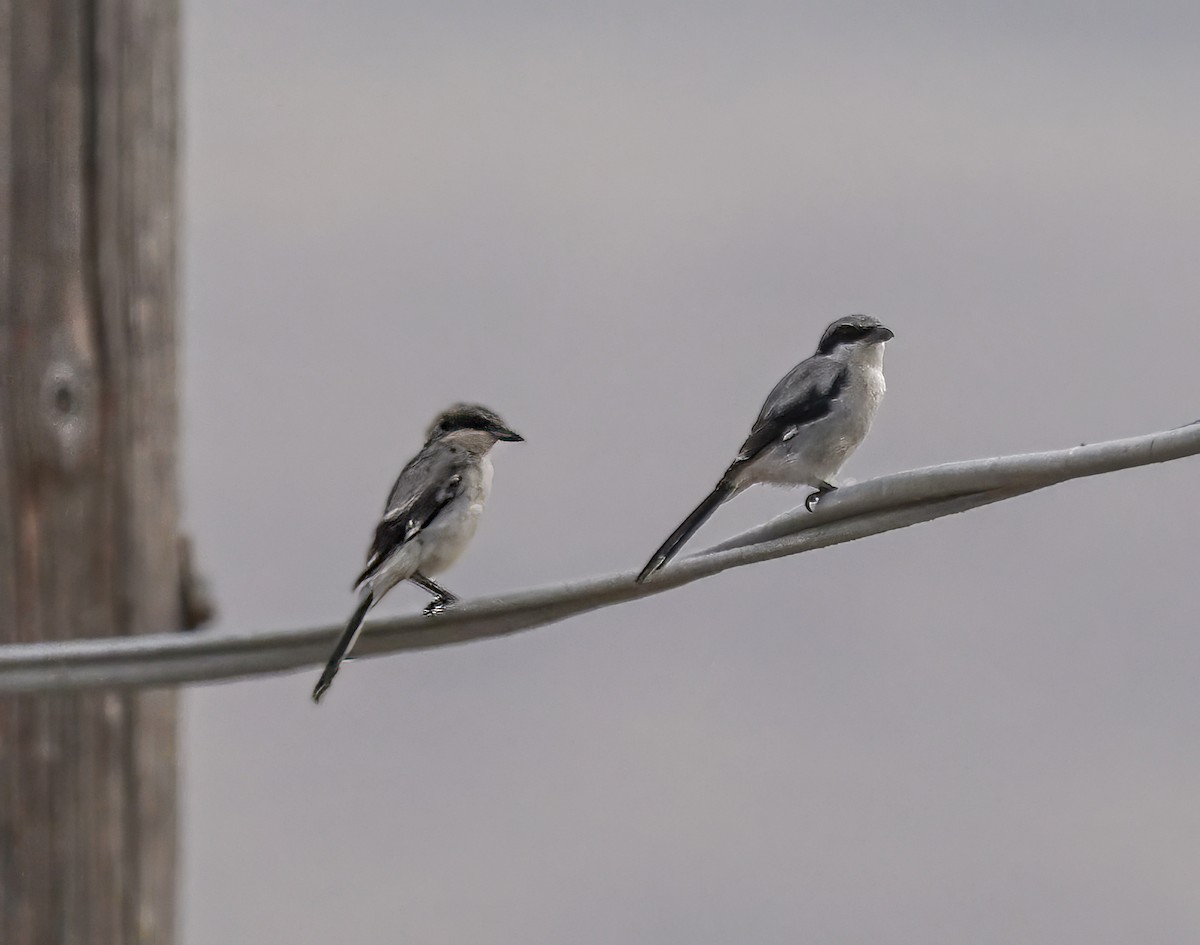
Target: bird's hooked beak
{"points": [[884, 334], [501, 432]]}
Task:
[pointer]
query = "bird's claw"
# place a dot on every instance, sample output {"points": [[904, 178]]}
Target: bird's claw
{"points": [[815, 497]]}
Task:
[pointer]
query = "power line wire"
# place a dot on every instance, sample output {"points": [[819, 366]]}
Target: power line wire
{"points": [[853, 512]]}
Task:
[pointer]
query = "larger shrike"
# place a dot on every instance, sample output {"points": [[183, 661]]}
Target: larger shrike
{"points": [[811, 422], [430, 516]]}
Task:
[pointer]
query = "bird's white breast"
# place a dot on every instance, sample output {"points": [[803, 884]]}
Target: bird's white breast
{"points": [[486, 469], [447, 537]]}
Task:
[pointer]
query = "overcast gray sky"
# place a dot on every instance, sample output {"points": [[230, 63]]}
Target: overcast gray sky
{"points": [[626, 221]]}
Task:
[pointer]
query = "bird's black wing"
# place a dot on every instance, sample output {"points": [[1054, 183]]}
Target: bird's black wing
{"points": [[431, 481], [806, 393]]}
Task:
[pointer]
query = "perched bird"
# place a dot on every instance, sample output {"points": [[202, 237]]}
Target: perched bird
{"points": [[430, 516], [810, 424]]}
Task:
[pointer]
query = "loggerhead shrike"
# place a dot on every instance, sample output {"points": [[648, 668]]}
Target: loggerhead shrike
{"points": [[430, 516], [810, 424]]}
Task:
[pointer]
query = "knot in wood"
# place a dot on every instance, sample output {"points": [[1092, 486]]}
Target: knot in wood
{"points": [[66, 401]]}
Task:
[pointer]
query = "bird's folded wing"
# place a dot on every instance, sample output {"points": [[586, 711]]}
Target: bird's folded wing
{"points": [[430, 482], [807, 393]]}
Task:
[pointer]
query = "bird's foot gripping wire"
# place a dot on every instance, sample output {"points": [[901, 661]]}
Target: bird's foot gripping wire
{"points": [[815, 497], [442, 598], [438, 605]]}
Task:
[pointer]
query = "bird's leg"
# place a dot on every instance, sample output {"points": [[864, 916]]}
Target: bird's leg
{"points": [[813, 497], [442, 598]]}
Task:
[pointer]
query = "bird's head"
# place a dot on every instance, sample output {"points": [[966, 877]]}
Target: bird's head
{"points": [[471, 418], [853, 332]]}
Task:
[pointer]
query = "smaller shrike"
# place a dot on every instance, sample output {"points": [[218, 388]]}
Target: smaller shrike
{"points": [[810, 424], [430, 516]]}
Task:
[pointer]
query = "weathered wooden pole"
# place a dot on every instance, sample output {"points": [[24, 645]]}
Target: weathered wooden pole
{"points": [[88, 425]]}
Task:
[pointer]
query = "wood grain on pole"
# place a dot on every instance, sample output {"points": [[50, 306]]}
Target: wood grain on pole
{"points": [[88, 428]]}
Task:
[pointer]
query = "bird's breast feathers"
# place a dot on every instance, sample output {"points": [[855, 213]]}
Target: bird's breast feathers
{"points": [[448, 536]]}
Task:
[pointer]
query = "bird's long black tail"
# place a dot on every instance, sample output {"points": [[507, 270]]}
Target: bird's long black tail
{"points": [[699, 516], [344, 643]]}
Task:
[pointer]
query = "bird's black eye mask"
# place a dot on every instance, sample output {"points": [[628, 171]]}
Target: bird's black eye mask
{"points": [[843, 334], [465, 421], [468, 418]]}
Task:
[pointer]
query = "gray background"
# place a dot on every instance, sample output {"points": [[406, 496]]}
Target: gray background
{"points": [[626, 221]]}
